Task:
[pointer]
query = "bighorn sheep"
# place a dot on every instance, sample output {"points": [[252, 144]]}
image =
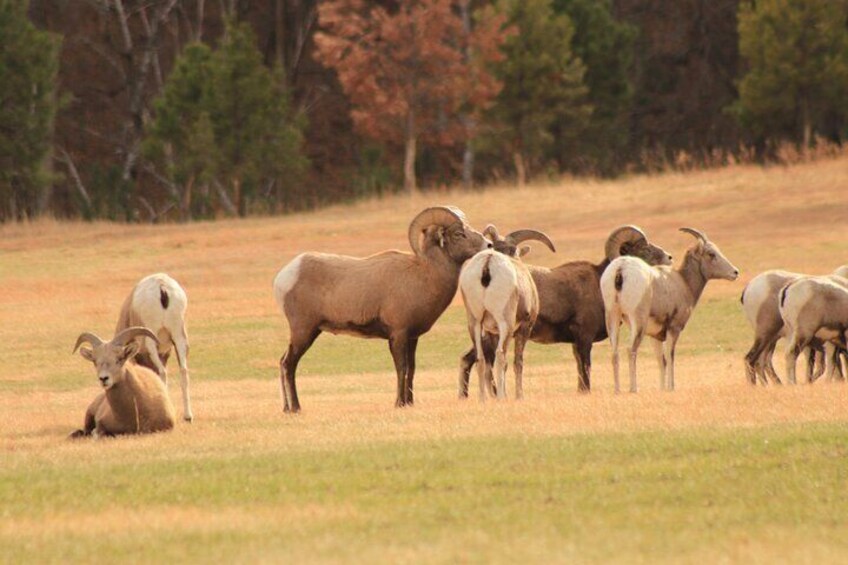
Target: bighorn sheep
{"points": [[501, 301], [158, 302], [134, 400], [390, 295], [571, 309], [760, 304], [657, 301], [815, 307]]}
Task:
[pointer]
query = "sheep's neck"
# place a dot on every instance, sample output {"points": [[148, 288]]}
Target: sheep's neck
{"points": [[121, 397], [691, 273]]}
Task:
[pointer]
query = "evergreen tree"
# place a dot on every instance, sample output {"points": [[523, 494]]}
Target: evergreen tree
{"points": [[605, 46], [28, 102], [543, 90], [797, 53], [224, 119]]}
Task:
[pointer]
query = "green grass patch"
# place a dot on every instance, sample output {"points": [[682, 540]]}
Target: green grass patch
{"points": [[591, 498]]}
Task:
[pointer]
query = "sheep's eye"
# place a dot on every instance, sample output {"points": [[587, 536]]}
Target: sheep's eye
{"points": [[711, 255]]}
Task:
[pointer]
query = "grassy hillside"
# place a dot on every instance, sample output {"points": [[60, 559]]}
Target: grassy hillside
{"points": [[714, 470]]}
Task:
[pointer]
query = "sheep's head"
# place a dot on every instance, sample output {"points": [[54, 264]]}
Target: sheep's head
{"points": [[511, 243], [445, 227], [630, 240], [713, 264], [109, 357]]}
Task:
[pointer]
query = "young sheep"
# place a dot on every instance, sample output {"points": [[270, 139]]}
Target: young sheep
{"points": [[658, 301], [159, 302], [760, 305], [500, 300], [134, 400], [391, 295], [571, 309], [815, 307]]}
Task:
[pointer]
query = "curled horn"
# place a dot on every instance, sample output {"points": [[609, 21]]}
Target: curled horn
{"points": [[492, 232], [620, 236], [86, 337], [440, 215], [696, 233], [519, 236], [127, 335]]}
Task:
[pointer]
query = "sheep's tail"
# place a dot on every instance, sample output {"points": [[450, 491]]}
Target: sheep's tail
{"points": [[783, 295], [619, 279], [486, 277], [164, 299]]}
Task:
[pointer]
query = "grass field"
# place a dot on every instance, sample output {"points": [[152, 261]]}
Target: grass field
{"points": [[715, 471]]}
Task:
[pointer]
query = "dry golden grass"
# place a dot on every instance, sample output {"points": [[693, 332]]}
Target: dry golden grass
{"points": [[57, 279]]}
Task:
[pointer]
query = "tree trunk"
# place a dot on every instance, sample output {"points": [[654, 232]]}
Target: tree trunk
{"points": [[520, 170], [467, 121], [185, 204], [409, 165], [807, 126], [237, 198]]}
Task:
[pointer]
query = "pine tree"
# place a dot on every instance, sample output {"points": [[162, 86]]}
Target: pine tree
{"points": [[797, 53], [28, 102], [224, 119], [543, 85], [605, 46]]}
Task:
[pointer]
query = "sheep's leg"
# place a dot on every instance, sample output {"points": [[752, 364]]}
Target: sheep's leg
{"points": [[482, 361], [767, 365], [500, 359], [489, 343], [793, 350], [661, 363], [752, 359], [829, 355], [613, 329], [411, 346], [518, 363], [153, 351], [466, 362], [815, 362], [635, 341], [399, 346], [299, 344], [671, 346], [582, 350], [182, 348]]}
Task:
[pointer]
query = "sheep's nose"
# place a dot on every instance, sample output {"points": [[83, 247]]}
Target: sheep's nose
{"points": [[669, 256], [489, 246], [735, 272], [104, 379]]}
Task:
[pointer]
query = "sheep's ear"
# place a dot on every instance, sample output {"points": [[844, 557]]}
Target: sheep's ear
{"points": [[440, 236], [87, 354], [524, 250], [129, 351]]}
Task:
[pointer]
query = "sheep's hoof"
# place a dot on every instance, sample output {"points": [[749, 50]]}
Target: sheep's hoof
{"points": [[189, 419], [77, 434]]}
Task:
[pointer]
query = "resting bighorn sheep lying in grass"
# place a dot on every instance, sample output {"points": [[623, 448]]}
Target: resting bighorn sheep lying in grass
{"points": [[657, 301], [571, 309], [158, 302], [134, 400], [391, 295], [501, 301], [760, 304], [815, 307]]}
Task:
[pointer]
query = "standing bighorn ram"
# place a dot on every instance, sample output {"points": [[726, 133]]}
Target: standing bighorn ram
{"points": [[390, 295], [571, 309]]}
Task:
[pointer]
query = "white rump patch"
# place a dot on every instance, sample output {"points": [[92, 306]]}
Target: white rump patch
{"points": [[286, 279]]}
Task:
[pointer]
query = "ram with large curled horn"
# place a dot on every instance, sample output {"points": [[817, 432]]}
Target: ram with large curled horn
{"points": [[571, 309], [134, 399], [391, 295]]}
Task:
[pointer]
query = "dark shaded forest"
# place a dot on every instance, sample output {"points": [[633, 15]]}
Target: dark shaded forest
{"points": [[657, 79]]}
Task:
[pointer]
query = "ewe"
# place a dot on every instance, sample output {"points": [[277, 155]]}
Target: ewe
{"points": [[658, 301]]}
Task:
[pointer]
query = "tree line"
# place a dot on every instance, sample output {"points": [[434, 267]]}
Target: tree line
{"points": [[156, 110]]}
